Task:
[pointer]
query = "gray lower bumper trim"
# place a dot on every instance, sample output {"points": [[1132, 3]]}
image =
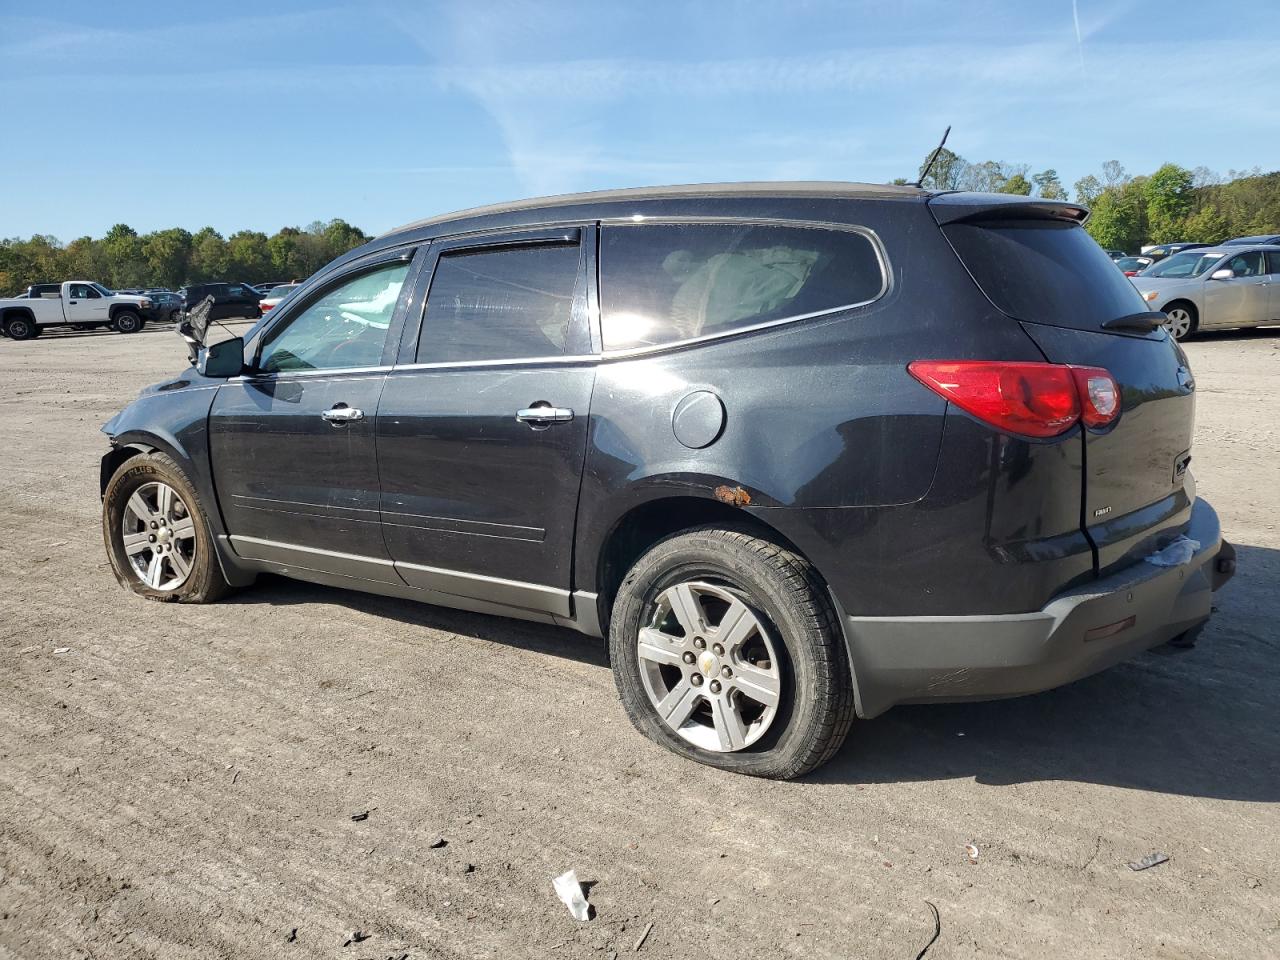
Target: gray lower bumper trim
{"points": [[905, 659]]}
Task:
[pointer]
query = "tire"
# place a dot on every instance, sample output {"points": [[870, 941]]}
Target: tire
{"points": [[174, 315], [126, 321], [789, 649], [1182, 320], [21, 328], [201, 581]]}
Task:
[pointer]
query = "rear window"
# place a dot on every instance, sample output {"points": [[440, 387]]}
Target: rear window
{"points": [[1045, 271], [664, 283]]}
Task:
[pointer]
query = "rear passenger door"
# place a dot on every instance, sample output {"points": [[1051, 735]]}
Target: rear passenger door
{"points": [[482, 427], [1273, 285]]}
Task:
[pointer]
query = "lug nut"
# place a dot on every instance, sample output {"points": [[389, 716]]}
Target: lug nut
{"points": [[688, 657], [726, 672], [715, 686], [151, 538], [717, 650], [153, 524], [696, 679], [699, 643]]}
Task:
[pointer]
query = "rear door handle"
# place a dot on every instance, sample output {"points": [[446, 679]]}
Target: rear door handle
{"points": [[341, 413], [544, 416]]}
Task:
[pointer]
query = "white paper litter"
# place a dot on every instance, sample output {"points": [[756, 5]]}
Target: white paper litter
{"points": [[569, 890], [1175, 554]]}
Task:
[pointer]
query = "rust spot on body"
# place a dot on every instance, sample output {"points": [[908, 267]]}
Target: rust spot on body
{"points": [[733, 495]]}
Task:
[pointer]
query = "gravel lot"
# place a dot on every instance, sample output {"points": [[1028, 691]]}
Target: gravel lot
{"points": [[180, 782]]}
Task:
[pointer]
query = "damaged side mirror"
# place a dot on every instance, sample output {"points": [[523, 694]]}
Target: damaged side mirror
{"points": [[223, 359]]}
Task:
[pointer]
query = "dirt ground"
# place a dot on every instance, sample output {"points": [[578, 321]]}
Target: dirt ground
{"points": [[180, 781]]}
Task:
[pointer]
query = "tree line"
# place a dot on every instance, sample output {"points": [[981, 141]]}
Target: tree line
{"points": [[175, 257], [1171, 204]]}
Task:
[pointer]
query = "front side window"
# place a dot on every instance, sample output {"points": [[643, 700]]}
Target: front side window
{"points": [[507, 303], [82, 291], [347, 327], [663, 283], [1245, 264]]}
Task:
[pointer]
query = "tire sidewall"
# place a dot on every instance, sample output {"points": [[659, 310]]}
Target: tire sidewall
{"points": [[127, 321], [134, 473], [690, 557], [20, 328]]}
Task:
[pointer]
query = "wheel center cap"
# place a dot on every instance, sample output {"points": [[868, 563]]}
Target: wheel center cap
{"points": [[707, 663], [162, 535]]}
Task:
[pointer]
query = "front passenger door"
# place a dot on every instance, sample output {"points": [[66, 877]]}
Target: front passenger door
{"points": [[292, 441]]}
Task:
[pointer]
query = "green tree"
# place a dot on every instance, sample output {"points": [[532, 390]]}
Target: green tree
{"points": [[1118, 218], [1017, 184], [168, 256], [1088, 189], [947, 172], [209, 258], [249, 256], [126, 265], [1168, 193], [1048, 185]]}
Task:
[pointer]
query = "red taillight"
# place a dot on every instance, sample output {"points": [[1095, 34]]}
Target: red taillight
{"points": [[1099, 396], [1031, 399], [266, 306]]}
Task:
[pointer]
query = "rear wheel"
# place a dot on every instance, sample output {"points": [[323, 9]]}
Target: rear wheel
{"points": [[126, 321], [725, 650], [1181, 320], [156, 535], [21, 328]]}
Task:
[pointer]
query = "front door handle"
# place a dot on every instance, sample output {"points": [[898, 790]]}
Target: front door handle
{"points": [[544, 415], [341, 413]]}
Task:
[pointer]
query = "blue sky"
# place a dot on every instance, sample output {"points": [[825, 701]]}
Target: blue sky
{"points": [[257, 115]]}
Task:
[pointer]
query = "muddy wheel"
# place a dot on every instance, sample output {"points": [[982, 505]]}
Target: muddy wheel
{"points": [[726, 650], [156, 535]]}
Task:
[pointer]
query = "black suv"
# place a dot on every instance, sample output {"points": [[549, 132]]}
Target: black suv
{"points": [[230, 300], [800, 451]]}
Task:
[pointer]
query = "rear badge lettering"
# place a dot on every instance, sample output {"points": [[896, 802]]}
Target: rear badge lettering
{"points": [[1102, 511]]}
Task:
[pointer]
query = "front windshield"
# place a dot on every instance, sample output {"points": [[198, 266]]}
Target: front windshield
{"points": [[103, 290], [281, 291], [1182, 265]]}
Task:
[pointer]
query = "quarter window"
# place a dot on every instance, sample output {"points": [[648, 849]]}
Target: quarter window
{"points": [[347, 327], [663, 283], [1273, 262], [504, 303]]}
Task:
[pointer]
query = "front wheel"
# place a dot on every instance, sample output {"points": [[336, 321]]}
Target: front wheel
{"points": [[126, 321], [1180, 321], [156, 536], [726, 650]]}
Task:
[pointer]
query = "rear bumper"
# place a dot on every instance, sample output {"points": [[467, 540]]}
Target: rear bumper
{"points": [[1078, 633]]}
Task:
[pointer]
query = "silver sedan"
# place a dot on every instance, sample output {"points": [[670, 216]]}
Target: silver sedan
{"points": [[1214, 288]]}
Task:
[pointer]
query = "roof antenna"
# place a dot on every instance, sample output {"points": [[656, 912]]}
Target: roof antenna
{"points": [[932, 157]]}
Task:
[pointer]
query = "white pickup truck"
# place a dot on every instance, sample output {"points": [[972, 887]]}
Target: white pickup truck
{"points": [[81, 304]]}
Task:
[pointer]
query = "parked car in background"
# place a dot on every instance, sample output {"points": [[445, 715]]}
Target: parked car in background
{"points": [[1131, 266], [230, 300], [1266, 238], [1214, 288], [166, 306], [646, 415], [1114, 254], [275, 295], [80, 304], [266, 288], [1160, 251]]}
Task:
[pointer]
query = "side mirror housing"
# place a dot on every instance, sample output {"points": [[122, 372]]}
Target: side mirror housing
{"points": [[222, 360], [1222, 274]]}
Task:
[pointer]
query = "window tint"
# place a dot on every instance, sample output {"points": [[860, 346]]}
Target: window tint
{"points": [[502, 304], [1273, 262], [346, 327], [662, 283], [1245, 264], [1045, 271]]}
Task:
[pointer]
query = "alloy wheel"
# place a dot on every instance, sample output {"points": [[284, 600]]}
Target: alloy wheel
{"points": [[158, 534], [709, 666]]}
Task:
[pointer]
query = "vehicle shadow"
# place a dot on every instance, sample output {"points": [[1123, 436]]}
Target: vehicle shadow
{"points": [[1244, 333], [1197, 722]]}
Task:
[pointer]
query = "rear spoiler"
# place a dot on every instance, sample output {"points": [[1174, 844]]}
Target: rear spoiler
{"points": [[974, 207]]}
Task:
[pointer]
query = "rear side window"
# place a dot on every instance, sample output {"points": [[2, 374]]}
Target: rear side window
{"points": [[1273, 262], [505, 303], [663, 283], [1045, 271]]}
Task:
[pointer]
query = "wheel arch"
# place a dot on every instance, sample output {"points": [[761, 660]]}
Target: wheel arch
{"points": [[1183, 302], [13, 312]]}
